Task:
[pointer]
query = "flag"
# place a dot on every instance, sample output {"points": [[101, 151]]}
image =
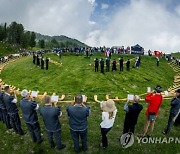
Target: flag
{"points": [[157, 53]]}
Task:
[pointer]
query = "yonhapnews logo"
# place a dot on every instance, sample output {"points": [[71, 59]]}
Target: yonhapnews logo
{"points": [[127, 140]]}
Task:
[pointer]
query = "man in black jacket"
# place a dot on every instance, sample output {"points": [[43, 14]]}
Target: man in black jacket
{"points": [[174, 111], [132, 114], [12, 110], [96, 61], [107, 64], [34, 58], [42, 63], [50, 116], [29, 107], [38, 60], [47, 63], [102, 65], [78, 122], [4, 116], [121, 61], [128, 65]]}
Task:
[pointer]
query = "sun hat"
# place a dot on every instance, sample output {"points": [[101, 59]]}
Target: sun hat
{"points": [[109, 106]]}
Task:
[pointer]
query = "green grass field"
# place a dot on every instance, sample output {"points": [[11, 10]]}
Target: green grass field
{"points": [[77, 76], [176, 54]]}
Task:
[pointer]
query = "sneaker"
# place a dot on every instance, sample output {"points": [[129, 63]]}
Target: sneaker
{"points": [[62, 147]]}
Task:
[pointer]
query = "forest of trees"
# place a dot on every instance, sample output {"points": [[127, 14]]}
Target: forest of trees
{"points": [[16, 35]]}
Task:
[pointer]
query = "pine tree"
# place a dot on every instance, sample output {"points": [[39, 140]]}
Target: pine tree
{"points": [[41, 44], [33, 40]]}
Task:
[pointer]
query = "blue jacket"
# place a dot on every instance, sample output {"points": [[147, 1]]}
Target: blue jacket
{"points": [[78, 117], [2, 105], [175, 106], [29, 111], [10, 106], [51, 118]]}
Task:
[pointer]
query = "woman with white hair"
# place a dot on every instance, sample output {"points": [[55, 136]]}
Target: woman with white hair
{"points": [[108, 118]]}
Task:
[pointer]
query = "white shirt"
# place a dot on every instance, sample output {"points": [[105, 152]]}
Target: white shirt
{"points": [[106, 122]]}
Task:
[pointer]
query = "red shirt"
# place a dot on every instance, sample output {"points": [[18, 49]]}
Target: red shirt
{"points": [[155, 101]]}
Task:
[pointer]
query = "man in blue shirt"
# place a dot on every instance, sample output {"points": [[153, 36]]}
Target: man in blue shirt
{"points": [[78, 122], [29, 107], [50, 116]]}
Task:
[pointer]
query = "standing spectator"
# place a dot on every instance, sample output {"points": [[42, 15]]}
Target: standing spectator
{"points": [[107, 64], [174, 112], [108, 118], [78, 122], [12, 110], [157, 63], [114, 65], [132, 114], [42, 63], [34, 58], [29, 107], [87, 52], [60, 54], [154, 100], [38, 60], [96, 61], [139, 59], [121, 61], [102, 65], [50, 115], [137, 62], [47, 63], [128, 65], [110, 55]]}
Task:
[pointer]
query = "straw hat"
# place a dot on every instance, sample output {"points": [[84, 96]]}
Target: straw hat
{"points": [[109, 106]]}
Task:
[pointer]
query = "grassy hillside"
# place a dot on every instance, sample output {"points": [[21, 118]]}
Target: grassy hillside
{"points": [[75, 76], [60, 39], [176, 54]]}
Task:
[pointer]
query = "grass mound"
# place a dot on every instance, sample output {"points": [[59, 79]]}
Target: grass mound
{"points": [[76, 75]]}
